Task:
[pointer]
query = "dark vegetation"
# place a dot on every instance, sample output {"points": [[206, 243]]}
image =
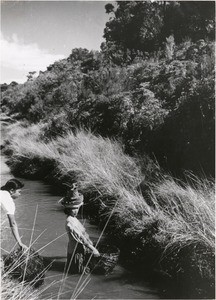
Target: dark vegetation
{"points": [[152, 87]]}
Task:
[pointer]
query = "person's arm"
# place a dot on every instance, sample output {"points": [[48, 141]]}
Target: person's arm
{"points": [[94, 250], [14, 229], [88, 243], [85, 240]]}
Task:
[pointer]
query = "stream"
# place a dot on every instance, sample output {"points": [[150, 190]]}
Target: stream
{"points": [[41, 223]]}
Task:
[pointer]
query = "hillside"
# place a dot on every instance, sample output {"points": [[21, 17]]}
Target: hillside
{"points": [[158, 105]]}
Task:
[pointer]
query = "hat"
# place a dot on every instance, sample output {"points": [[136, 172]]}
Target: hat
{"points": [[14, 184], [73, 199]]}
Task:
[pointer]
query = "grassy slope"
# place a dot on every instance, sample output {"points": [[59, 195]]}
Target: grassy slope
{"points": [[170, 227]]}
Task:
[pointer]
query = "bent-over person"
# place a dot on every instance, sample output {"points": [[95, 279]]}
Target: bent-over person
{"points": [[8, 193]]}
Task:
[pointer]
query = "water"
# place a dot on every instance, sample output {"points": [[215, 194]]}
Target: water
{"points": [[41, 222]]}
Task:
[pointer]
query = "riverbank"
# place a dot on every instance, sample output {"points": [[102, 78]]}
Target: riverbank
{"points": [[161, 225]]}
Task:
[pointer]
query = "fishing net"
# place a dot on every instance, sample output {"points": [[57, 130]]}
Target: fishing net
{"points": [[25, 266], [108, 259]]}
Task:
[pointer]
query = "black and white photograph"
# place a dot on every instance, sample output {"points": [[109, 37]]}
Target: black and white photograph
{"points": [[107, 177]]}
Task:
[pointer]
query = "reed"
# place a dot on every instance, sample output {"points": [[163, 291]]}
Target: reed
{"points": [[14, 288]]}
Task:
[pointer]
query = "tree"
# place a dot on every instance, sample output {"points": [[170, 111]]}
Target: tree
{"points": [[136, 25], [30, 75], [143, 26], [191, 19]]}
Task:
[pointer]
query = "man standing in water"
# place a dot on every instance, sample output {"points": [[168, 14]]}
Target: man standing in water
{"points": [[9, 192], [80, 247]]}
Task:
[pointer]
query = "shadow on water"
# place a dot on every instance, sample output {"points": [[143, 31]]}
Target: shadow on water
{"points": [[55, 263]]}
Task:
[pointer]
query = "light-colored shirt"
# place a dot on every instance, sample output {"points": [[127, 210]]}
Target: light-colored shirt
{"points": [[7, 203], [76, 233]]}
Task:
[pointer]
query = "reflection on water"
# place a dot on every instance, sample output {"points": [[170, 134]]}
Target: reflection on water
{"points": [[41, 223]]}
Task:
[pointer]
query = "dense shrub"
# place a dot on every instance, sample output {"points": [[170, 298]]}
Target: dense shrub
{"points": [[159, 102]]}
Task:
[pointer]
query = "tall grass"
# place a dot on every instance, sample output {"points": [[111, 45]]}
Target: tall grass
{"points": [[11, 289], [188, 210], [182, 214]]}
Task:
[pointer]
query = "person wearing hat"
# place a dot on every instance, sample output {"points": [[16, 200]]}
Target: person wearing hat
{"points": [[8, 193], [80, 246]]}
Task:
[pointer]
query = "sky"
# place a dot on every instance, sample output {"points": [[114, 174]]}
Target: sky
{"points": [[35, 34]]}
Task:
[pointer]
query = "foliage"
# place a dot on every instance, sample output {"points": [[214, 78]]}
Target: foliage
{"points": [[188, 132], [135, 26], [160, 102], [143, 26]]}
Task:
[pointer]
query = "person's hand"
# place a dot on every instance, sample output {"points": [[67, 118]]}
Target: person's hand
{"points": [[23, 247], [96, 253]]}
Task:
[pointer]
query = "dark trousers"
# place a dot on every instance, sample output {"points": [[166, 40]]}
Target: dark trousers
{"points": [[76, 262]]}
